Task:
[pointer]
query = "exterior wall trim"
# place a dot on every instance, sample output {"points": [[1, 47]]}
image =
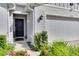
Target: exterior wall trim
{"points": [[71, 16], [59, 7]]}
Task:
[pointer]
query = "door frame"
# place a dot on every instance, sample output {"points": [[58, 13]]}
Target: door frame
{"points": [[20, 17]]}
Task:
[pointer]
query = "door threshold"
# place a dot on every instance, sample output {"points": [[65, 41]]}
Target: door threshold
{"points": [[19, 39]]}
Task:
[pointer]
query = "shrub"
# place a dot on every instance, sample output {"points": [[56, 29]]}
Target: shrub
{"points": [[44, 37], [18, 53], [9, 46], [4, 46], [2, 41], [60, 49], [44, 50], [37, 41], [40, 40], [21, 53], [3, 52], [35, 47]]}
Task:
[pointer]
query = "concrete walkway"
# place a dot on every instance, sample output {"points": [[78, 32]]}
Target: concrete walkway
{"points": [[33, 53], [20, 45]]}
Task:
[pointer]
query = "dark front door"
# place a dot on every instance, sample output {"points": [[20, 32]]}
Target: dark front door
{"points": [[19, 27]]}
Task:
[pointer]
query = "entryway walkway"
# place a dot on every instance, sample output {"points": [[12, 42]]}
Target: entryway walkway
{"points": [[21, 45]]}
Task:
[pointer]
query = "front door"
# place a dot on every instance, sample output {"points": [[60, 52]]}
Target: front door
{"points": [[19, 28]]}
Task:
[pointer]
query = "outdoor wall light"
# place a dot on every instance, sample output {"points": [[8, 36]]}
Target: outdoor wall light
{"points": [[71, 4], [40, 18]]}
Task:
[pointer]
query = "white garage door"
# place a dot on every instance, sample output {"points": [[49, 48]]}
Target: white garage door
{"points": [[62, 28]]}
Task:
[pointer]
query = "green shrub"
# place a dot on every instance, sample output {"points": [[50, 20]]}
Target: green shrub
{"points": [[4, 46], [3, 52], [2, 41], [37, 40], [20, 53], [44, 50], [74, 51], [35, 47], [9, 47], [40, 40], [44, 37], [60, 49]]}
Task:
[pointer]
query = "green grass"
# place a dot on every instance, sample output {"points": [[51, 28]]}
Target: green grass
{"points": [[60, 49]]}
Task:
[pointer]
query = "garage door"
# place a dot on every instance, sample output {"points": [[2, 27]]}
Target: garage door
{"points": [[62, 28]]}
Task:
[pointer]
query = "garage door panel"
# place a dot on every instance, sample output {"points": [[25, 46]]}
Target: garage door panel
{"points": [[60, 29]]}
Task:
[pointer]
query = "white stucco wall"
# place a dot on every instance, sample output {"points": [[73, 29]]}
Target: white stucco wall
{"points": [[30, 27], [58, 29], [3, 19], [39, 26]]}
